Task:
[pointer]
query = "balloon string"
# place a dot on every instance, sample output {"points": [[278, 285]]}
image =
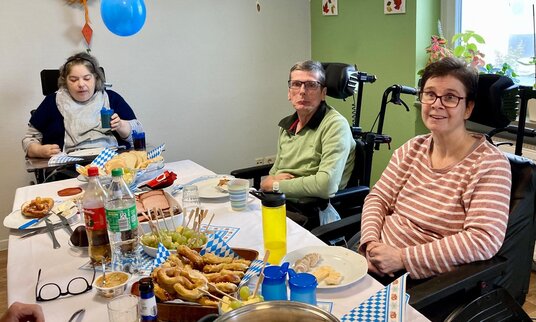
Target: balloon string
{"points": [[84, 2]]}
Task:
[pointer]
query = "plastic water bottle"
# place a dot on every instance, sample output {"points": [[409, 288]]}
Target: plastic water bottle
{"points": [[122, 221], [95, 219]]}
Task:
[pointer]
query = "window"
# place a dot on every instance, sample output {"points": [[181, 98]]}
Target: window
{"points": [[506, 25]]}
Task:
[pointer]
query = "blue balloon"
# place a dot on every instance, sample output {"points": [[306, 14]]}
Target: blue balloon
{"points": [[123, 17]]}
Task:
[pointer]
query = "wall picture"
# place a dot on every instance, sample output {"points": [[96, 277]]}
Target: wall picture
{"points": [[394, 6], [330, 8]]}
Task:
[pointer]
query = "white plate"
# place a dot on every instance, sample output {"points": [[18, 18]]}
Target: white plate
{"points": [[208, 187], [85, 152], [16, 218], [350, 264]]}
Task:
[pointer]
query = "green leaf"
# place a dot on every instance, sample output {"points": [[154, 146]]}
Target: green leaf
{"points": [[458, 51], [479, 39]]}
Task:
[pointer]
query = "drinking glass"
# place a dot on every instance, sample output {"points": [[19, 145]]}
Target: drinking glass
{"points": [[190, 200], [124, 309]]}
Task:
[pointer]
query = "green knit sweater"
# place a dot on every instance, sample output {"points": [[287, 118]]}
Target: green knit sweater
{"points": [[320, 156]]}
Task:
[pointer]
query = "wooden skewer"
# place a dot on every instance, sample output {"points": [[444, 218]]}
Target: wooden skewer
{"points": [[184, 214], [207, 293], [209, 222], [223, 293], [261, 275], [259, 282], [172, 215], [153, 230], [163, 218], [190, 217]]}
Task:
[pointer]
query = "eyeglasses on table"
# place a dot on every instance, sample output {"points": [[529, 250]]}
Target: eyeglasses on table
{"points": [[52, 291]]}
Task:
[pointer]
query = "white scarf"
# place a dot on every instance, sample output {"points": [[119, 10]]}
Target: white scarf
{"points": [[82, 121]]}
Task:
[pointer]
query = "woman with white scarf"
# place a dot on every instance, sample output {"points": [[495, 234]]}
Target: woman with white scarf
{"points": [[70, 118]]}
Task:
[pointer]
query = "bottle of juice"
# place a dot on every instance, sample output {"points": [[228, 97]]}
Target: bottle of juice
{"points": [[95, 219], [274, 225]]}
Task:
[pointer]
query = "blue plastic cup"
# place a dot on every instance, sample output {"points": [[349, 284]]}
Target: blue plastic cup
{"points": [[302, 287], [106, 117], [274, 285], [139, 140]]}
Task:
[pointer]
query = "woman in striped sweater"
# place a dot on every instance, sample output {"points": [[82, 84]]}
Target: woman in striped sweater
{"points": [[443, 199]]}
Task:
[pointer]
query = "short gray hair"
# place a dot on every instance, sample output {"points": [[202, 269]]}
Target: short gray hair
{"points": [[310, 66]]}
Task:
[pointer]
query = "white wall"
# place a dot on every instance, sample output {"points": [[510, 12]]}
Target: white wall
{"points": [[206, 77]]}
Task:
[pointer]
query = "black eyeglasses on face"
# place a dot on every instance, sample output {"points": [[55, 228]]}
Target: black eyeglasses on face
{"points": [[309, 85], [448, 100], [52, 291]]}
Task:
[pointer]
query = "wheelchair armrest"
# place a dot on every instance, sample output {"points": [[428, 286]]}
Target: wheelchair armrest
{"points": [[359, 192], [255, 173], [464, 277], [346, 227]]}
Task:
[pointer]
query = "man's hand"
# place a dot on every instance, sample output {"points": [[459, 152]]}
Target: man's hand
{"points": [[37, 150], [268, 182], [23, 312], [386, 259]]}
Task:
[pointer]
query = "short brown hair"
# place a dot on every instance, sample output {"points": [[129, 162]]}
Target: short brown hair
{"points": [[91, 64], [457, 68]]}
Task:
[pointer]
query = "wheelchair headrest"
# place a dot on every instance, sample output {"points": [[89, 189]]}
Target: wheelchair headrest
{"points": [[493, 105], [338, 79]]}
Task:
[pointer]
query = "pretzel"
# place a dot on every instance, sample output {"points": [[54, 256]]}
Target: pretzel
{"points": [[230, 266], [192, 256], [210, 258], [37, 208], [221, 277]]}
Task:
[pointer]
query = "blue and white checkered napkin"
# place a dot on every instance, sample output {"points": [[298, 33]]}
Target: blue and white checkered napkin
{"points": [[103, 157], [156, 151], [217, 246], [161, 255], [62, 158], [387, 305]]}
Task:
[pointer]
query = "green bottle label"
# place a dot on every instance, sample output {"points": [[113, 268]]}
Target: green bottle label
{"points": [[119, 220]]}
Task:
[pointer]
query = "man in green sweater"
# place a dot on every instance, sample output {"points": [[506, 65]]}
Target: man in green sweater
{"points": [[315, 152]]}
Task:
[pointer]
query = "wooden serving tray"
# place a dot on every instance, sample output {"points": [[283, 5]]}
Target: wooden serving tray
{"points": [[181, 312]]}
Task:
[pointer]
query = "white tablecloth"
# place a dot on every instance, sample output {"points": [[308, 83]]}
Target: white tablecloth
{"points": [[27, 256]]}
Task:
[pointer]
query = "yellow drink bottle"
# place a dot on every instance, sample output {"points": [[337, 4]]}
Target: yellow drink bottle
{"points": [[274, 225]]}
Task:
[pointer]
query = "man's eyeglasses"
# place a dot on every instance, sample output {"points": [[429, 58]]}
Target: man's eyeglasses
{"points": [[448, 100], [52, 291], [309, 85]]}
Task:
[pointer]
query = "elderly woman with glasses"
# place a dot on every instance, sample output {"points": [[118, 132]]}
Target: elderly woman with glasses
{"points": [[315, 151], [70, 118], [443, 199]]}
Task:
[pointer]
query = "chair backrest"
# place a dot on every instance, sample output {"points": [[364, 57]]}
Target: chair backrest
{"points": [[518, 245], [495, 104], [338, 79], [49, 80]]}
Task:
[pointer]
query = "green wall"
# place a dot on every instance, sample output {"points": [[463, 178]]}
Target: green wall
{"points": [[388, 46]]}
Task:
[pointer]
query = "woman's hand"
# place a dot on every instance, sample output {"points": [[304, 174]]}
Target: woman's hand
{"points": [[37, 150], [120, 126], [387, 259], [268, 182]]}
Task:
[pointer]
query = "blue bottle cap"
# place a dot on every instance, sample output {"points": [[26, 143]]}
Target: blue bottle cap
{"points": [[274, 275], [304, 281]]}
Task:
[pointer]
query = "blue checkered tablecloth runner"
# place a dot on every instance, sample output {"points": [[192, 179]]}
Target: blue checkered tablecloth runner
{"points": [[62, 158], [156, 151], [103, 157], [387, 305]]}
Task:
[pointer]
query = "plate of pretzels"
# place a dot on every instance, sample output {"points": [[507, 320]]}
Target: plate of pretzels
{"points": [[203, 279]]}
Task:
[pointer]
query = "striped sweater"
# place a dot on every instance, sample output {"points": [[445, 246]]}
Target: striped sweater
{"points": [[440, 218]]}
